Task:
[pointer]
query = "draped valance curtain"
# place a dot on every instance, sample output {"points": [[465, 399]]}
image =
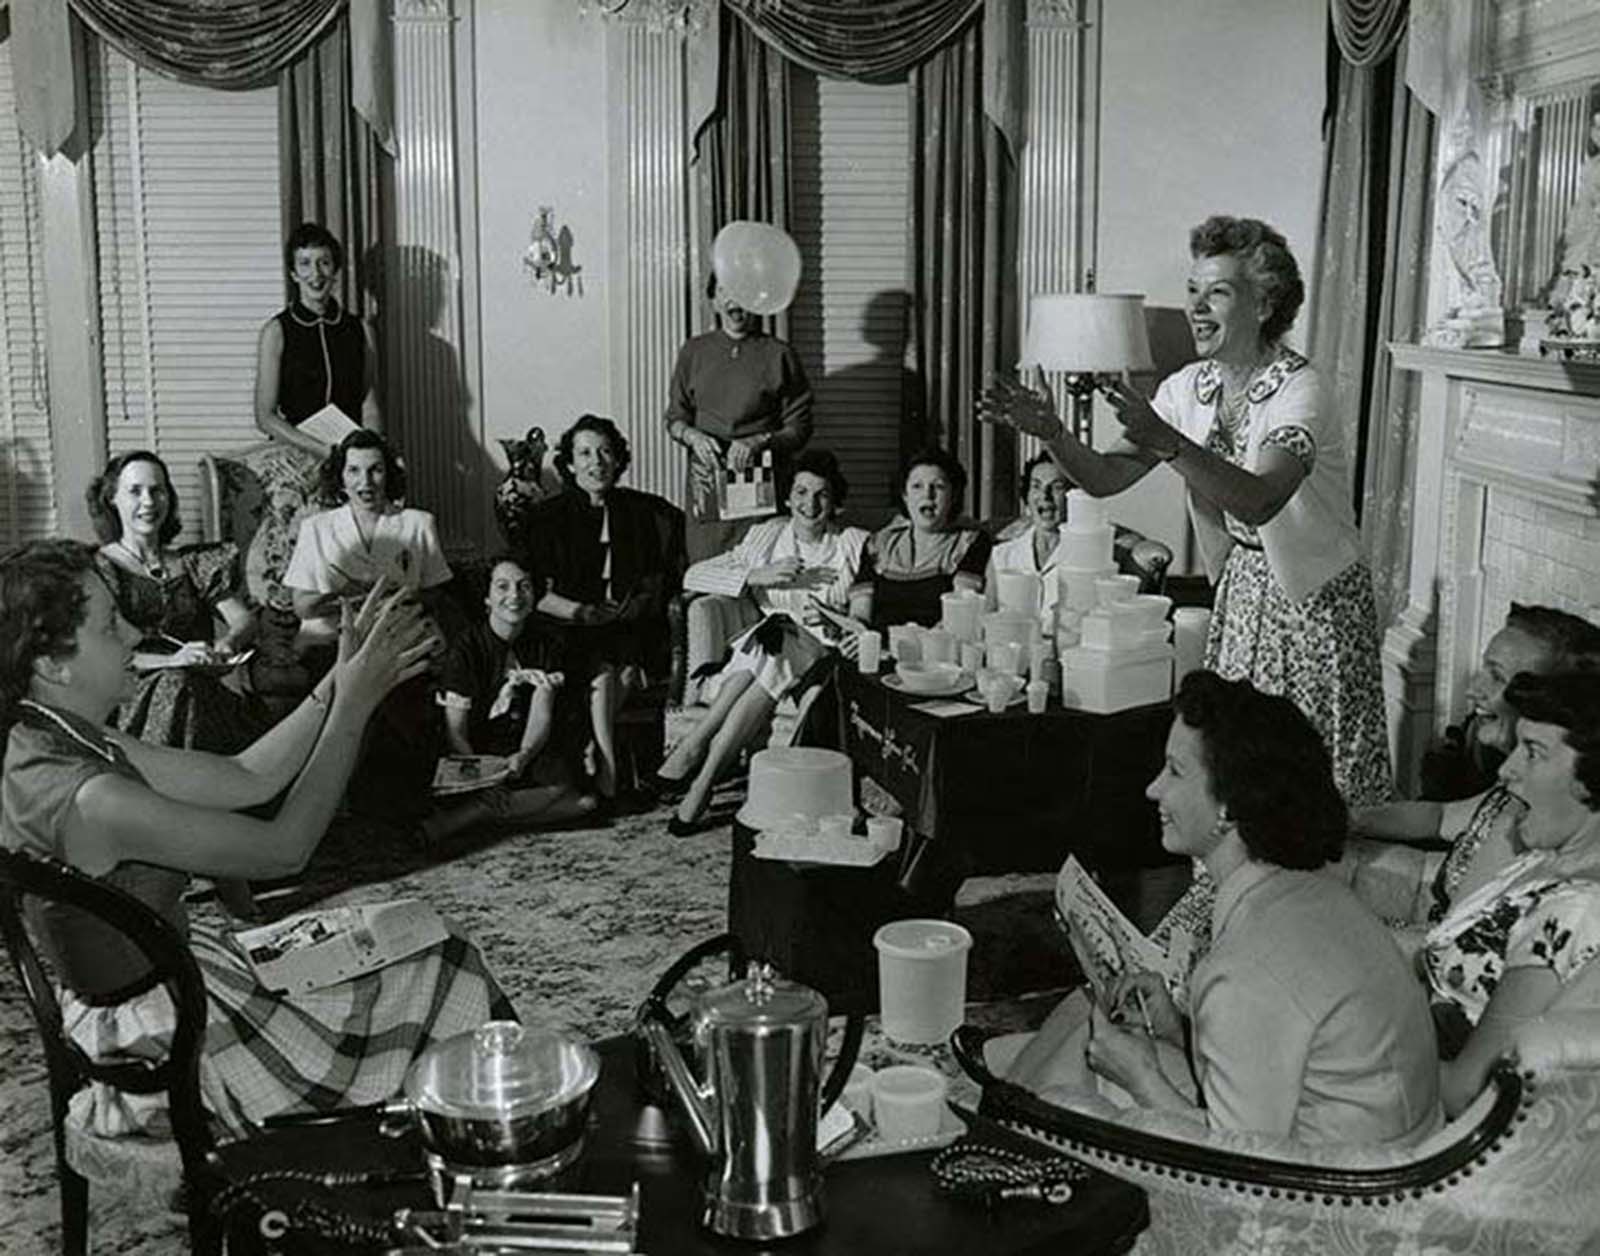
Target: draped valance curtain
{"points": [[235, 45], [963, 60]]}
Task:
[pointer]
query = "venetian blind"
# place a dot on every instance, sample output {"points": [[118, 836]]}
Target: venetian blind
{"points": [[190, 261], [27, 479], [850, 166]]}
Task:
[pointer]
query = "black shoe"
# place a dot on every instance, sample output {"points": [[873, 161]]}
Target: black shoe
{"points": [[666, 788], [688, 828]]}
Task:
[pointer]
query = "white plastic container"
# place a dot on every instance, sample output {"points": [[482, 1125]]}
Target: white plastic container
{"points": [[922, 979], [1112, 628], [1115, 680]]}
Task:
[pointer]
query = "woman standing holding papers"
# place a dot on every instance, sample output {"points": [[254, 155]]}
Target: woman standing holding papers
{"points": [[1268, 492], [314, 353]]}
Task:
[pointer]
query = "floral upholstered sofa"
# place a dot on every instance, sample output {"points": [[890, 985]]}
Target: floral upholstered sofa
{"points": [[1516, 1174]]}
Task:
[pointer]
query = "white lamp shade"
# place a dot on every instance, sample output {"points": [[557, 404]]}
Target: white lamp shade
{"points": [[1087, 333]]}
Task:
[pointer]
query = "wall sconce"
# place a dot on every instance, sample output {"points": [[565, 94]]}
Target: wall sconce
{"points": [[548, 257]]}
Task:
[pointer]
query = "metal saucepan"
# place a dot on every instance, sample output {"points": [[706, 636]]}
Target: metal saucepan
{"points": [[500, 1095]]}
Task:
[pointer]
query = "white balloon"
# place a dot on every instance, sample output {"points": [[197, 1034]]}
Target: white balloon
{"points": [[757, 266]]}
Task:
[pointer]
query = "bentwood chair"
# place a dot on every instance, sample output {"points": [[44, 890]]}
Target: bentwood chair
{"points": [[135, 1164]]}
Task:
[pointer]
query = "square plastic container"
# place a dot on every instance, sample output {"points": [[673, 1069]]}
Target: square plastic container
{"points": [[1115, 680]]}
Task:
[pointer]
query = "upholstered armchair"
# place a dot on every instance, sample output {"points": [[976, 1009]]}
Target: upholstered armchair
{"points": [[1516, 1172], [256, 497]]}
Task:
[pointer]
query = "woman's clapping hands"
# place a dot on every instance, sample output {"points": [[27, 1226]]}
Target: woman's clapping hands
{"points": [[385, 643], [1030, 410]]}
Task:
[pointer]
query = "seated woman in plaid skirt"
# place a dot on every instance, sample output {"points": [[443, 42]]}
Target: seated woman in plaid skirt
{"points": [[145, 818]]}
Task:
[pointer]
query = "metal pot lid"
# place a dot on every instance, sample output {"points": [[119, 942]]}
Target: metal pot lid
{"points": [[762, 998], [502, 1069]]}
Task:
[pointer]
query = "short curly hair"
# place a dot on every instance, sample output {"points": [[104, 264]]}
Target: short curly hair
{"points": [[330, 479], [1270, 769], [1268, 264], [933, 456], [823, 464], [42, 605], [312, 235], [1570, 701], [101, 495], [593, 423]]}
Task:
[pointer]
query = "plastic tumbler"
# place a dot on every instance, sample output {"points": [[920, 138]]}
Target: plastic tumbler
{"points": [[922, 979], [971, 657], [907, 1102], [869, 652], [1038, 695]]}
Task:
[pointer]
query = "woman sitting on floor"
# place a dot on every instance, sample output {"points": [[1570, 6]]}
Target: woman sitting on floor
{"points": [[173, 597], [338, 557], [610, 557], [1504, 952], [790, 566], [501, 680], [145, 818], [1304, 1019], [1044, 500], [923, 554]]}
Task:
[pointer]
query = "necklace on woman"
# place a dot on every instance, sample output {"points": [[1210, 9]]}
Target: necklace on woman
{"points": [[152, 567], [105, 752]]}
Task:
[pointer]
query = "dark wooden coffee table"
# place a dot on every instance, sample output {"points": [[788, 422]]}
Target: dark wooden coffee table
{"points": [[883, 1205]]}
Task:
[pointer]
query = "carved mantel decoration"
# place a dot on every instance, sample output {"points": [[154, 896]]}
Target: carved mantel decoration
{"points": [[1508, 443]]}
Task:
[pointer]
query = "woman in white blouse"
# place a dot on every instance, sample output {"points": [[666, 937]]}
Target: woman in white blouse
{"points": [[790, 568], [1044, 499], [340, 554]]}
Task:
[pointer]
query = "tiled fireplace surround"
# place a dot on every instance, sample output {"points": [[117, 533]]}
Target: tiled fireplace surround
{"points": [[1506, 502]]}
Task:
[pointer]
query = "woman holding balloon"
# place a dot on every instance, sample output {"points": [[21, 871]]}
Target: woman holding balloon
{"points": [[738, 393]]}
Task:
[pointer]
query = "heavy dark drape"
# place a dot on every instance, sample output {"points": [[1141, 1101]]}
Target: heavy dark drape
{"points": [[329, 162], [233, 44], [1371, 273], [742, 147], [963, 259], [963, 59]]}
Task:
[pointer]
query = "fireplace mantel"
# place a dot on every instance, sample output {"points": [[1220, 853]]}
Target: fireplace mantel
{"points": [[1503, 501]]}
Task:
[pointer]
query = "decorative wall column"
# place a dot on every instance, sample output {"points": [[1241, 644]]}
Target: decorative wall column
{"points": [[650, 234], [1060, 162], [428, 340]]}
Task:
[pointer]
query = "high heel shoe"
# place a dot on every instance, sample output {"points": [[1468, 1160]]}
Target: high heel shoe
{"points": [[702, 823], [666, 788]]}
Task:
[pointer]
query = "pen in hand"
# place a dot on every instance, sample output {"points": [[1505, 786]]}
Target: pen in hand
{"points": [[1144, 1012]]}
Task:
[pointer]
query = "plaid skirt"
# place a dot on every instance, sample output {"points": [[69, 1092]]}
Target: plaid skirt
{"points": [[266, 1054], [1321, 653]]}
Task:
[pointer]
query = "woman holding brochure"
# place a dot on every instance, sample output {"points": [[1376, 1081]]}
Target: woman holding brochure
{"points": [[314, 354], [790, 568], [146, 818], [1304, 1020]]}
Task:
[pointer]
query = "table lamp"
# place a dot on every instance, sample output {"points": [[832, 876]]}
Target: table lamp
{"points": [[1086, 335]]}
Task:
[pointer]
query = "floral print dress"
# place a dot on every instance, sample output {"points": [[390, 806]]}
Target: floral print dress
{"points": [[1540, 912]]}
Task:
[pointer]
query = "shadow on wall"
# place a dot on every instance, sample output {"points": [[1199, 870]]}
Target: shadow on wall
{"points": [[861, 411], [426, 403], [18, 488]]}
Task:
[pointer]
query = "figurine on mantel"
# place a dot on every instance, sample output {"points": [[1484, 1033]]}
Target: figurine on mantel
{"points": [[1572, 326], [1474, 317]]}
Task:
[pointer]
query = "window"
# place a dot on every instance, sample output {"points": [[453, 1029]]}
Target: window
{"points": [[190, 261], [27, 481], [850, 168]]}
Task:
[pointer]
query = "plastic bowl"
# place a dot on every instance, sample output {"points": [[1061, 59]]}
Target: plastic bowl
{"points": [[928, 677]]}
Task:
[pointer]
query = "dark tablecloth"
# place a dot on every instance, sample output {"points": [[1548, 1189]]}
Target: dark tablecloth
{"points": [[1011, 792]]}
